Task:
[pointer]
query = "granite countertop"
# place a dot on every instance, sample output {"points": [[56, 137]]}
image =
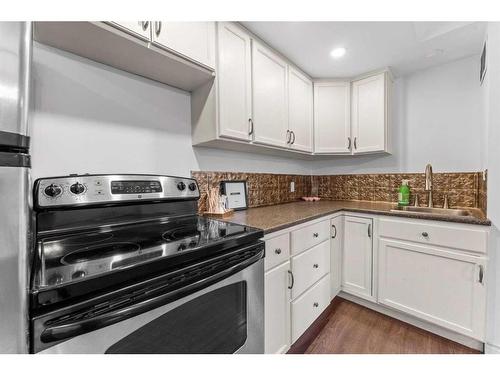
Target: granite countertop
{"points": [[281, 216]]}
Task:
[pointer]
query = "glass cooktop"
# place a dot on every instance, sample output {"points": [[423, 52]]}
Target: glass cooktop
{"points": [[69, 259]]}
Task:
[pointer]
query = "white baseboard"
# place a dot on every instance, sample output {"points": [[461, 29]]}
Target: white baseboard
{"points": [[440, 331], [491, 349]]}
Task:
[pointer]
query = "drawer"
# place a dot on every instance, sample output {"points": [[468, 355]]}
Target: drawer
{"points": [[277, 251], [459, 236], [310, 266], [306, 237], [309, 306]]}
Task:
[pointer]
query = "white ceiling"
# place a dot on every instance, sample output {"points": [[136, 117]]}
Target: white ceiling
{"points": [[404, 46]]}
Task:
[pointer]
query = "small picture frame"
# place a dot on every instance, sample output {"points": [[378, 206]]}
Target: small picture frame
{"points": [[484, 66], [236, 193]]}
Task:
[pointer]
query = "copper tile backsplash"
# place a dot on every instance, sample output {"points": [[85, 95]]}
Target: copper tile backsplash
{"points": [[463, 189]]}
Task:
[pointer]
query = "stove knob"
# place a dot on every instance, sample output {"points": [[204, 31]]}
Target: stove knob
{"points": [[181, 186], [55, 279], [192, 186], [53, 190], [78, 274], [77, 188]]}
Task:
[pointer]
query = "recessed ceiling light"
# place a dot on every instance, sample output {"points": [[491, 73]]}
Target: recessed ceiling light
{"points": [[338, 52]]}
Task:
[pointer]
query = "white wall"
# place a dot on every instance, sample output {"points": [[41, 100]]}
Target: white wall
{"points": [[493, 164], [438, 118], [90, 118]]}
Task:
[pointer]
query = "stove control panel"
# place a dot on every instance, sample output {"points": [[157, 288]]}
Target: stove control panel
{"points": [[76, 190]]}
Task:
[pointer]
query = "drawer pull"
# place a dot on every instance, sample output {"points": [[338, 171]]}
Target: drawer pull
{"points": [[315, 304], [425, 234], [316, 235], [481, 274], [334, 231], [315, 265], [292, 279], [278, 251]]}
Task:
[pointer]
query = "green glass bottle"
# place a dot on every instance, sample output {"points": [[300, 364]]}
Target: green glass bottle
{"points": [[404, 194]]}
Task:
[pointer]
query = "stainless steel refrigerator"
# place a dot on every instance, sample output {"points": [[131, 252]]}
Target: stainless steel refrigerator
{"points": [[15, 185]]}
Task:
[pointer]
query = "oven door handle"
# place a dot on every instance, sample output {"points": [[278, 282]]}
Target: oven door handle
{"points": [[67, 331]]}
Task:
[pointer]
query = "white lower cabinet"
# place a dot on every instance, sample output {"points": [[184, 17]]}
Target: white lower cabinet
{"points": [[309, 266], [442, 287], [415, 267], [277, 309], [309, 306], [357, 256], [336, 243]]}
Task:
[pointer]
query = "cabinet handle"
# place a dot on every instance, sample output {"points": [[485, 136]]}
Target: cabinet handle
{"points": [[315, 304], [158, 28], [369, 230], [315, 235], [481, 274], [292, 279], [425, 234], [315, 265], [250, 121], [293, 133], [278, 251], [349, 140], [335, 231], [288, 136], [355, 143], [145, 25]]}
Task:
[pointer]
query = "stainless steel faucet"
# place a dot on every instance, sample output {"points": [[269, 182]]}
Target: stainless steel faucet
{"points": [[428, 182]]}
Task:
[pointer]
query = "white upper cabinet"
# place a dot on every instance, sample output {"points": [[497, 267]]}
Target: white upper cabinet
{"points": [[357, 256], [270, 109], [141, 29], [300, 111], [234, 69], [194, 40], [370, 115], [332, 125]]}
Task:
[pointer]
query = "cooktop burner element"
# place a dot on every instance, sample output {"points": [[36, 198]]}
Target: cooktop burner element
{"points": [[70, 259], [181, 233], [87, 239], [98, 252]]}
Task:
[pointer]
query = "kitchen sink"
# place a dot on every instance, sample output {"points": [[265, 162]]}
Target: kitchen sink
{"points": [[431, 210]]}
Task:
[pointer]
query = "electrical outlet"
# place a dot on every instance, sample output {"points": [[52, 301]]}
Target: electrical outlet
{"points": [[292, 187]]}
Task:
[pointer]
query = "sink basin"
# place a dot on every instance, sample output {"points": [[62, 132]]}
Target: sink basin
{"points": [[431, 211]]}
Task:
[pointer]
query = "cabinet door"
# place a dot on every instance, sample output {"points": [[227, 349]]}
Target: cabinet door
{"points": [[277, 309], [142, 29], [435, 285], [300, 110], [369, 120], [270, 111], [336, 243], [332, 124], [234, 82], [357, 256], [195, 40]]}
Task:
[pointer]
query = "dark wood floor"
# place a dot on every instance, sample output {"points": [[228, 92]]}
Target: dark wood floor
{"points": [[354, 329]]}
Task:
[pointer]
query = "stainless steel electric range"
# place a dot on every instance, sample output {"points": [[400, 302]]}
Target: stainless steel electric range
{"points": [[123, 264]]}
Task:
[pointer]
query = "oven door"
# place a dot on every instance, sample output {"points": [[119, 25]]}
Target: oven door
{"points": [[225, 317]]}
